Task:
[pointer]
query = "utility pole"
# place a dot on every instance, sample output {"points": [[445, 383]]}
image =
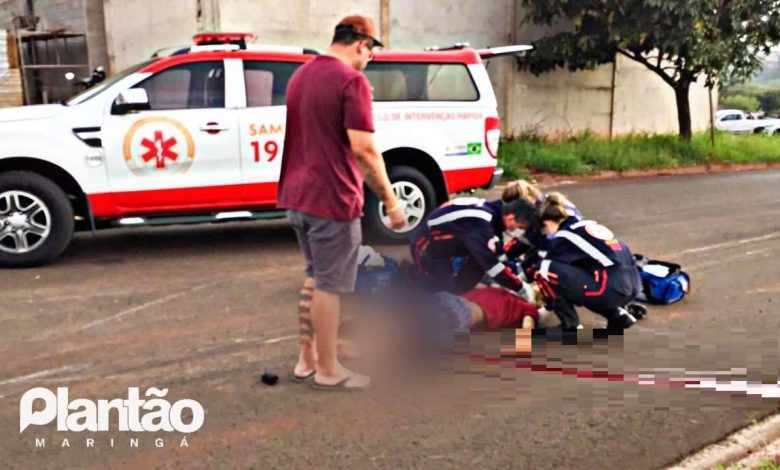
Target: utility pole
{"points": [[384, 22], [712, 117], [612, 97]]}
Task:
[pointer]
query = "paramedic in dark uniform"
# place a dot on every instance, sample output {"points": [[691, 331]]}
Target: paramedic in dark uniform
{"points": [[585, 265], [525, 246], [460, 242]]}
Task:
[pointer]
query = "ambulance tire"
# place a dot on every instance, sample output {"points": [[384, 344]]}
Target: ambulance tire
{"points": [[416, 189], [46, 223]]}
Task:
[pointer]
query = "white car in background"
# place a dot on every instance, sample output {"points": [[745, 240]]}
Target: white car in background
{"points": [[739, 122]]}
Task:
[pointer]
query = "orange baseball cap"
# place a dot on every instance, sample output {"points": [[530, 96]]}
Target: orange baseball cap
{"points": [[360, 26]]}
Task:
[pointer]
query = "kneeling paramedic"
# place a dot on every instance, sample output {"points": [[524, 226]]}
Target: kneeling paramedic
{"points": [[585, 265], [460, 242]]}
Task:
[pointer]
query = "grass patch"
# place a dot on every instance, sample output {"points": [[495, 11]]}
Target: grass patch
{"points": [[586, 153]]}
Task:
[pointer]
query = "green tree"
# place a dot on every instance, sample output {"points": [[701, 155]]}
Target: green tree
{"points": [[770, 101], [743, 102], [678, 40]]}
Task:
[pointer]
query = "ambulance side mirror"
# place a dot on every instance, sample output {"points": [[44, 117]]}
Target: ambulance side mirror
{"points": [[129, 101]]}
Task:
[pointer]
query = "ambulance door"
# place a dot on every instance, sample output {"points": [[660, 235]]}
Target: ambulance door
{"points": [[182, 154], [262, 128]]}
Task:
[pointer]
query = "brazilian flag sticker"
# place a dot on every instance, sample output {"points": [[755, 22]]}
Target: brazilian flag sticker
{"points": [[474, 148]]}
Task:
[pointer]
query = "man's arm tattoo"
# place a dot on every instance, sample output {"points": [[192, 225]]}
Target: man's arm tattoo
{"points": [[375, 179]]}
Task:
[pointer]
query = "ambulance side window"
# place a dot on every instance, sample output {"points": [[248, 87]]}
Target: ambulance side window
{"points": [[196, 85], [421, 82], [266, 82]]}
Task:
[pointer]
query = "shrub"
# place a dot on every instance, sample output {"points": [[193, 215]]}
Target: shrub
{"points": [[585, 153]]}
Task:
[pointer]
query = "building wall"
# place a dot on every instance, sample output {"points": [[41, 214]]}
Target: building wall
{"points": [[307, 23], [562, 102], [645, 103], [96, 33], [555, 103], [9, 9], [135, 29], [61, 14]]}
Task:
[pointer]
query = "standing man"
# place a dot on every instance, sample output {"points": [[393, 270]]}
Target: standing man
{"points": [[329, 153]]}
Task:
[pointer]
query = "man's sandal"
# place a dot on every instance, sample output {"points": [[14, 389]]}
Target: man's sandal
{"points": [[340, 386], [299, 379]]}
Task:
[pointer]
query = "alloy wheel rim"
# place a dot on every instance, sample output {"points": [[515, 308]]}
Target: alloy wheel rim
{"points": [[25, 222], [414, 200]]}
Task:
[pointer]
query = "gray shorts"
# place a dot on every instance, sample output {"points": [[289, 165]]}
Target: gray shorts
{"points": [[330, 249]]}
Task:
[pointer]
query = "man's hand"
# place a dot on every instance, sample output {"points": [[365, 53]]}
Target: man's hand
{"points": [[397, 215]]}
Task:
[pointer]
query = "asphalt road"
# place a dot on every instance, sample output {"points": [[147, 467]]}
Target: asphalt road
{"points": [[204, 310]]}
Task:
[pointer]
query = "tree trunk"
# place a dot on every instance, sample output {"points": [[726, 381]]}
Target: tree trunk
{"points": [[681, 93]]}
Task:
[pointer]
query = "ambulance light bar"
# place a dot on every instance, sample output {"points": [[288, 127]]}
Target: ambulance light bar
{"points": [[210, 39]]}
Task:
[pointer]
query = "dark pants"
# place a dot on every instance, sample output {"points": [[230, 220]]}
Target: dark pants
{"points": [[603, 291], [434, 267], [437, 275]]}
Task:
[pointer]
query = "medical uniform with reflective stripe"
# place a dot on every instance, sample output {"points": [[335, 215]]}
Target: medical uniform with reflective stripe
{"points": [[458, 244], [530, 243], [585, 265]]}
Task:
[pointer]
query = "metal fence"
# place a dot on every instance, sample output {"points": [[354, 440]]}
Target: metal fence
{"points": [[45, 58]]}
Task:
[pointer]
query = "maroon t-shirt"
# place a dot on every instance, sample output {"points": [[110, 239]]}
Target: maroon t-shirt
{"points": [[320, 175]]}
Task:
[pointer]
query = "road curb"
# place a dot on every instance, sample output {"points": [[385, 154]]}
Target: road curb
{"points": [[741, 445], [549, 179]]}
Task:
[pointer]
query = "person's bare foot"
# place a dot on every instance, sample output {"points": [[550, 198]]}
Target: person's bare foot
{"points": [[306, 365], [301, 370]]}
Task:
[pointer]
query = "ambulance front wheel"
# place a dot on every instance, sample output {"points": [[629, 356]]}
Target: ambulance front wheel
{"points": [[36, 220], [413, 189]]}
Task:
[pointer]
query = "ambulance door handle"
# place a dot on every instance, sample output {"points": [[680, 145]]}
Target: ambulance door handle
{"points": [[213, 128]]}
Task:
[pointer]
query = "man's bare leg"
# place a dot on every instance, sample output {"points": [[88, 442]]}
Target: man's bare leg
{"points": [[325, 309], [307, 357]]}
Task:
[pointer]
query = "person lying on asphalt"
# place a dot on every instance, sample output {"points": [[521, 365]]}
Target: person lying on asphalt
{"points": [[432, 320]]}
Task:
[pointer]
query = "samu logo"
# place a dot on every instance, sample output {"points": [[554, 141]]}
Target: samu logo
{"points": [[134, 414]]}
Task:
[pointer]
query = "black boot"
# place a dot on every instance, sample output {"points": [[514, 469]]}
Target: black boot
{"points": [[637, 310]]}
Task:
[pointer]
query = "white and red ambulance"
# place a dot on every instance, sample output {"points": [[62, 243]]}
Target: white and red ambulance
{"points": [[196, 136]]}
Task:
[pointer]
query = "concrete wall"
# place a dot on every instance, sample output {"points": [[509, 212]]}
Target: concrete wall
{"points": [[135, 29], [298, 22], [96, 33], [9, 9], [562, 102], [61, 14], [556, 103]]}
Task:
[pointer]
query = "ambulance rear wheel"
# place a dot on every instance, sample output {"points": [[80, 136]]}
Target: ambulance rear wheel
{"points": [[36, 220], [414, 190]]}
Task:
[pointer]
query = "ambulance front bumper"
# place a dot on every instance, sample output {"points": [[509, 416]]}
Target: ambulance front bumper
{"points": [[497, 175]]}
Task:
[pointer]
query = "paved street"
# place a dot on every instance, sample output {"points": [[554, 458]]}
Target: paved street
{"points": [[204, 310]]}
